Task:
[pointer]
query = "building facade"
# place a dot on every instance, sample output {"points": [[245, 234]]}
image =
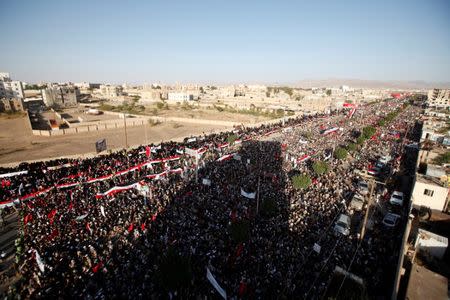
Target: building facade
{"points": [[430, 193], [10, 88], [111, 91], [179, 97], [11, 105], [438, 98], [60, 96]]}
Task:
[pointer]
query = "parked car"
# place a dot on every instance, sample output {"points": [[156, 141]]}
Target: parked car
{"points": [[357, 202], [385, 159], [342, 225], [363, 187], [396, 198], [374, 171], [391, 220]]}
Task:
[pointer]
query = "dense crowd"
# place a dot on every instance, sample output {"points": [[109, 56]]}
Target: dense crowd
{"points": [[83, 239]]}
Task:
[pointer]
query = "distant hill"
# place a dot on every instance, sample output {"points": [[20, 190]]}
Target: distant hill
{"points": [[374, 84]]}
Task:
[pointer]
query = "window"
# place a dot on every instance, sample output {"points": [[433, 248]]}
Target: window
{"points": [[428, 192]]}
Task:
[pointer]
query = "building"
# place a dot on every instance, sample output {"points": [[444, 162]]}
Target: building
{"points": [[10, 88], [438, 98], [431, 192], [11, 105], [111, 91], [180, 97], [60, 96]]}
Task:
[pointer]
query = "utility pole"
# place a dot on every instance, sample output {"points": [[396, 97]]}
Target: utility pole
{"points": [[363, 228], [373, 183], [125, 126]]}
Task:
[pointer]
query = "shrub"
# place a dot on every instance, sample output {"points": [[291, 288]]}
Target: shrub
{"points": [[152, 122], [368, 132], [160, 105], [351, 147], [320, 167], [232, 138], [301, 181], [340, 153]]}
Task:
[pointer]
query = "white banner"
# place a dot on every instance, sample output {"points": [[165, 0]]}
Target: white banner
{"points": [[13, 174], [248, 195], [39, 261], [102, 210], [215, 284], [79, 218], [206, 182]]}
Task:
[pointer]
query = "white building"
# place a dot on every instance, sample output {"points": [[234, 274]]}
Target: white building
{"points": [[10, 88], [179, 97], [430, 192], [438, 98], [60, 96], [111, 91]]}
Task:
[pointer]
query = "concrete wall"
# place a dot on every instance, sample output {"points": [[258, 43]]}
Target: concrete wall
{"points": [[439, 199]]}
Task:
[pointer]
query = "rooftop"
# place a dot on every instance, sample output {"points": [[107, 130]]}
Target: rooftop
{"points": [[426, 284]]}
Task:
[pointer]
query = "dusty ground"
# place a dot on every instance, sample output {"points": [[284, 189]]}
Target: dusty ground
{"points": [[18, 144], [211, 114]]}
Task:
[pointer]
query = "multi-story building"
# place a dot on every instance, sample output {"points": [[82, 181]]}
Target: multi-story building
{"points": [[111, 91], [180, 97], [7, 105], [10, 88], [431, 191], [438, 98], [60, 96]]}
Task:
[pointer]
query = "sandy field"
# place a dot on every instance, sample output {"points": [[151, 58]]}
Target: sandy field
{"points": [[210, 114], [17, 143]]}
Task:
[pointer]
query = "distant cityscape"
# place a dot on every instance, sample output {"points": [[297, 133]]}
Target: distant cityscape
{"points": [[17, 95]]}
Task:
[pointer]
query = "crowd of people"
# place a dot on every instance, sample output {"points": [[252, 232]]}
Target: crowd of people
{"points": [[92, 229]]}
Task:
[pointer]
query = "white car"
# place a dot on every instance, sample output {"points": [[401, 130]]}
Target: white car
{"points": [[363, 187], [385, 159], [396, 198], [342, 225], [357, 203], [391, 220]]}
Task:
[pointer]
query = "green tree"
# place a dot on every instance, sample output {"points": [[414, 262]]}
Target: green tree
{"points": [[368, 132], [160, 105], [443, 158], [320, 167], [340, 153], [351, 147], [232, 138], [301, 181], [360, 140], [328, 92], [240, 231]]}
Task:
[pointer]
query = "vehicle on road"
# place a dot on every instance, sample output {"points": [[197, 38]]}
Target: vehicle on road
{"points": [[391, 220], [342, 225], [374, 171], [396, 198], [363, 187], [357, 202]]}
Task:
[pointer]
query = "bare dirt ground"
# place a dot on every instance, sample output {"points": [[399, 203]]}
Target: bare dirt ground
{"points": [[203, 113], [17, 143]]}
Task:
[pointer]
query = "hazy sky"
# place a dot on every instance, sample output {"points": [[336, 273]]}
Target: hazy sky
{"points": [[224, 41]]}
